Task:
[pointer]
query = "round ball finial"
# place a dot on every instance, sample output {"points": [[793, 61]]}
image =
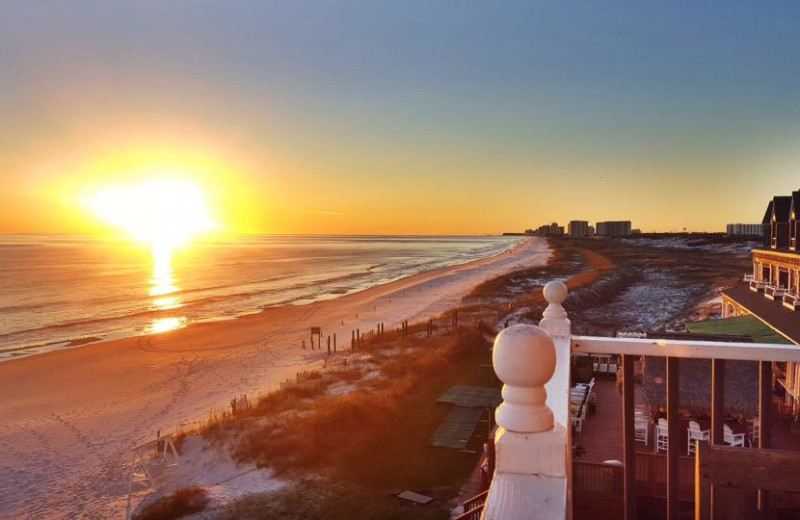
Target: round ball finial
{"points": [[555, 292], [524, 355], [524, 358]]}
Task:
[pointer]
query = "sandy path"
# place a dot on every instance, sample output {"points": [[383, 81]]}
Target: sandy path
{"points": [[69, 417]]}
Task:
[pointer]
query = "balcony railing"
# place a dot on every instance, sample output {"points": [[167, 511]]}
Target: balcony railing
{"points": [[772, 291], [749, 278], [757, 285], [473, 508], [534, 475], [791, 300]]}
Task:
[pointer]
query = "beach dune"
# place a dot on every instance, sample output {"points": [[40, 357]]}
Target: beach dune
{"points": [[68, 418]]}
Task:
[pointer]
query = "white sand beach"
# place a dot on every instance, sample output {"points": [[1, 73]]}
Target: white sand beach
{"points": [[68, 418]]}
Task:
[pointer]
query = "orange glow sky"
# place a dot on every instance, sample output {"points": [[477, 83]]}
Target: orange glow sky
{"points": [[387, 120]]}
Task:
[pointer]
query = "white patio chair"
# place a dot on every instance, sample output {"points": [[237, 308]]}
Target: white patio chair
{"points": [[577, 395], [732, 438], [662, 436], [694, 433], [641, 428]]}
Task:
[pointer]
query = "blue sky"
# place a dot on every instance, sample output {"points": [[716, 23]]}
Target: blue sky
{"points": [[625, 106]]}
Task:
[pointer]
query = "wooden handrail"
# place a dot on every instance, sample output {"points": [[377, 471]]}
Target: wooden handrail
{"points": [[742, 468], [472, 514], [650, 476], [685, 349], [476, 501]]}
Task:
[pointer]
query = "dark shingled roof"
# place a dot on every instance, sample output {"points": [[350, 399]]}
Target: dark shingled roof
{"points": [[694, 377], [767, 214], [781, 206], [773, 313], [694, 385]]}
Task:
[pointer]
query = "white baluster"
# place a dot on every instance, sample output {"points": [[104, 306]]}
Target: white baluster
{"points": [[530, 478]]}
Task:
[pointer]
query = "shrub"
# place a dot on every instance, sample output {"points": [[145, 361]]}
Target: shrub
{"points": [[179, 504]]}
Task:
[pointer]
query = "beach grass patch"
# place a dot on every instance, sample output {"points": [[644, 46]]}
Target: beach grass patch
{"points": [[374, 443]]}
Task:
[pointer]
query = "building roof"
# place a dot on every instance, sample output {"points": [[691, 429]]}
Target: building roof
{"points": [[772, 313], [767, 214], [781, 207], [694, 385], [741, 377], [739, 326]]}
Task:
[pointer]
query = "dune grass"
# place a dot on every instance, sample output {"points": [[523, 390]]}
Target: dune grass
{"points": [[367, 446], [335, 427]]}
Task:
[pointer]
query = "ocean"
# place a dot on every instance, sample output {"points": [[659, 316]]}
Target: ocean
{"points": [[59, 290]]}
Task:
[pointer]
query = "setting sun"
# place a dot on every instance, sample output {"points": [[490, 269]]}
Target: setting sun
{"points": [[161, 212]]}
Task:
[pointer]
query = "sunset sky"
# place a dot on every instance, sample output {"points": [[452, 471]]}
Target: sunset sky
{"points": [[402, 117]]}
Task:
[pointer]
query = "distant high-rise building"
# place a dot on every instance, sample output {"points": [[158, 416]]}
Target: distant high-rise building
{"points": [[614, 228], [578, 228], [549, 230], [755, 230]]}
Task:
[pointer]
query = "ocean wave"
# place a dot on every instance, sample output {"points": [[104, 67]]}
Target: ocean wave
{"points": [[119, 303]]}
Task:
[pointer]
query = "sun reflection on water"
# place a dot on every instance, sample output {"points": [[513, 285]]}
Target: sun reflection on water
{"points": [[163, 281], [166, 324], [162, 288], [162, 211]]}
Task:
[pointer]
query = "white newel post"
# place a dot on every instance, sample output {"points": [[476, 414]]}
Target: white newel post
{"points": [[530, 480], [555, 321]]}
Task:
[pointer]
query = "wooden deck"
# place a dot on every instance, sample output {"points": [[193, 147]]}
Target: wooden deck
{"points": [[602, 432], [597, 487]]}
